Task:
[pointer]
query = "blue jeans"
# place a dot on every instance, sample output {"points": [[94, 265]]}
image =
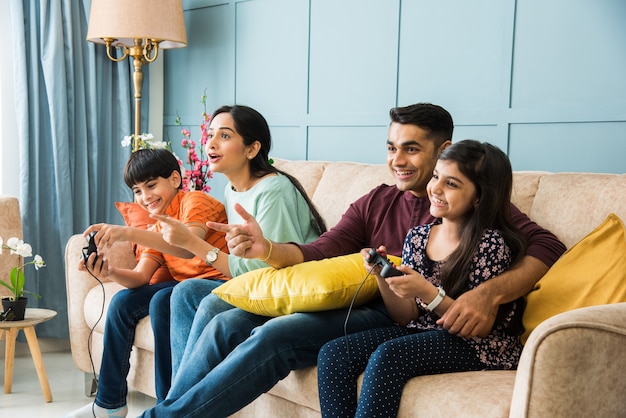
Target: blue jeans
{"points": [[239, 356], [192, 306], [160, 321], [127, 307]]}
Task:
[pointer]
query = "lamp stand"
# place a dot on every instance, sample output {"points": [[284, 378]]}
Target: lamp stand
{"points": [[143, 50]]}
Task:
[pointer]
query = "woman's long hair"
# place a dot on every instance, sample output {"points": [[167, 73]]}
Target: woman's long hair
{"points": [[489, 169], [252, 126]]}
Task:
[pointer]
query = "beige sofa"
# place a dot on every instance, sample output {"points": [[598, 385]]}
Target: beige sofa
{"points": [[569, 204]]}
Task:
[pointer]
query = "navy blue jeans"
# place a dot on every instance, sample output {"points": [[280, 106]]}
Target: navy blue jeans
{"points": [[127, 308], [239, 355]]}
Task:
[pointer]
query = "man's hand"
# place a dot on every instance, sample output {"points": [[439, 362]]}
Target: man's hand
{"points": [[472, 314], [245, 240]]}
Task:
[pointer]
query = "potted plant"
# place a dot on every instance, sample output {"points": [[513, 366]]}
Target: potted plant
{"points": [[17, 302]]}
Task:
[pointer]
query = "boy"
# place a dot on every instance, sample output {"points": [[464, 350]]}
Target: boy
{"points": [[155, 179]]}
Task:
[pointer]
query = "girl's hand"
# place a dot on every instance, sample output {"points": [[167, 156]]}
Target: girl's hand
{"points": [[374, 269], [409, 285]]}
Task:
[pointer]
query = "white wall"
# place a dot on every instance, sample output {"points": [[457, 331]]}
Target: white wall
{"points": [[9, 147]]}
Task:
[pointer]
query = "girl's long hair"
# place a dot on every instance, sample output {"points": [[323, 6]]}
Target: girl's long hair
{"points": [[252, 126], [489, 169]]}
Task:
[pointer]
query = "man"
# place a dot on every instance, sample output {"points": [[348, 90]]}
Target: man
{"points": [[239, 355]]}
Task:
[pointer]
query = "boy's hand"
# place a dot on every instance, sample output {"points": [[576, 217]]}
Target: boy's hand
{"points": [[174, 231], [245, 240], [100, 268], [107, 234]]}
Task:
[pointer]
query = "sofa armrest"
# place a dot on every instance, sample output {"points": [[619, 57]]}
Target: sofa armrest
{"points": [[573, 365], [78, 285]]}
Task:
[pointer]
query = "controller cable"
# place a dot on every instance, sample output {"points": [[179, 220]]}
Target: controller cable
{"points": [[345, 324], [93, 367]]}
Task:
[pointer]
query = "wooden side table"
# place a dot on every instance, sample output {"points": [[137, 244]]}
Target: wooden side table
{"points": [[32, 317]]}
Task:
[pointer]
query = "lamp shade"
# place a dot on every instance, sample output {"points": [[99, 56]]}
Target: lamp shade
{"points": [[126, 20]]}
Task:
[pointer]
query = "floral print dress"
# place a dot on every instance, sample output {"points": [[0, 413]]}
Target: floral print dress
{"points": [[500, 349]]}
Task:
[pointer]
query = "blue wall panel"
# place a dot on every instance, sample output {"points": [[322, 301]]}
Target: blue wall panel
{"points": [[544, 81], [353, 54], [451, 53], [569, 53], [207, 63], [584, 147], [367, 144], [272, 58]]}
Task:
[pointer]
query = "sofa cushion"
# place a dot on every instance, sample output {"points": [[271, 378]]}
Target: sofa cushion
{"points": [[592, 272], [306, 287]]}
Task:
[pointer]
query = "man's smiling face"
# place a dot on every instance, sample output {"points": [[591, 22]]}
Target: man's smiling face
{"points": [[411, 157]]}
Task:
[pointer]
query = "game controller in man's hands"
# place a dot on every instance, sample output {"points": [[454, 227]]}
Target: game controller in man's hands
{"points": [[387, 267], [90, 248]]}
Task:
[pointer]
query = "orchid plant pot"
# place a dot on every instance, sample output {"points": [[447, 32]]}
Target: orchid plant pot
{"points": [[17, 307]]}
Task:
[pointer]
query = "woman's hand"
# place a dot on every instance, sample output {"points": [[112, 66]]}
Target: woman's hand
{"points": [[244, 240]]}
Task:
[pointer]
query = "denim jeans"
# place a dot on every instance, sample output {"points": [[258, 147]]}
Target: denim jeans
{"points": [[160, 321], [127, 307], [239, 355], [192, 306]]}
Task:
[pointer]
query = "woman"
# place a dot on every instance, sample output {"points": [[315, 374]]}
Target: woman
{"points": [[238, 146]]}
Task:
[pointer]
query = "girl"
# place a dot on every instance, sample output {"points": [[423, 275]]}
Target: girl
{"points": [[473, 241], [238, 146]]}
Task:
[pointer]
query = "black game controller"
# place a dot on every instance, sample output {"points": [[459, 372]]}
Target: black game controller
{"points": [[388, 270], [90, 248]]}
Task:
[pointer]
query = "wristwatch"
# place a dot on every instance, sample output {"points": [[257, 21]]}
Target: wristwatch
{"points": [[211, 256], [438, 299]]}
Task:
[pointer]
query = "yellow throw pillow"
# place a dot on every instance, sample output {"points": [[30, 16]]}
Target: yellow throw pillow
{"points": [[306, 287], [592, 272]]}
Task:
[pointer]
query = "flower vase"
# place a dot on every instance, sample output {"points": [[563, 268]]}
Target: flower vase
{"points": [[18, 307]]}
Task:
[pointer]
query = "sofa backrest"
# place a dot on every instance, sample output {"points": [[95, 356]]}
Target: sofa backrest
{"points": [[570, 205]]}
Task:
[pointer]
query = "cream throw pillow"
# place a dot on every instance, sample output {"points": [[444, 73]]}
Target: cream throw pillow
{"points": [[306, 287], [592, 272]]}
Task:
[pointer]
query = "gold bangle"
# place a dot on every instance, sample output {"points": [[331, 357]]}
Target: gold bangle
{"points": [[269, 253]]}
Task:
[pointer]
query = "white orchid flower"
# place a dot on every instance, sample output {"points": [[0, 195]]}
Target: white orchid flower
{"points": [[38, 262]]}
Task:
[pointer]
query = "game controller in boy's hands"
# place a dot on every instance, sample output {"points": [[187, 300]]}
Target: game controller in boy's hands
{"points": [[388, 269], [90, 248]]}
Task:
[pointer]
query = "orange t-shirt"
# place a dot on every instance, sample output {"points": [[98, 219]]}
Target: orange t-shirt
{"points": [[193, 209]]}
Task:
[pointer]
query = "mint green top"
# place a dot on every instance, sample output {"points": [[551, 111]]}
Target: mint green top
{"points": [[279, 209]]}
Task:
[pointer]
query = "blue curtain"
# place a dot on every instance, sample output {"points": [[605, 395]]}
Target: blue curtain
{"points": [[73, 107]]}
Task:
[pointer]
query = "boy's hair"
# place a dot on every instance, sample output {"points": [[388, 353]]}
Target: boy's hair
{"points": [[489, 169], [432, 118], [148, 164]]}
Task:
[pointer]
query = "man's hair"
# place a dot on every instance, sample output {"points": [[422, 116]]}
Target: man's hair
{"points": [[432, 118], [148, 164]]}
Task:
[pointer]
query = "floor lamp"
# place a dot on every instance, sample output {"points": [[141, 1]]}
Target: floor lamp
{"points": [[137, 28]]}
